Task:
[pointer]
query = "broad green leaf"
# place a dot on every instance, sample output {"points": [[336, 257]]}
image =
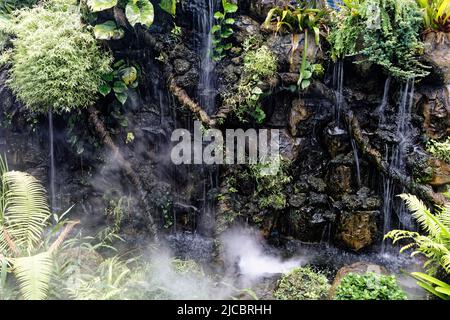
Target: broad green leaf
{"points": [[230, 21], [104, 89], [218, 15], [129, 75], [108, 31], [215, 28], [122, 97], [170, 6], [140, 12], [119, 87], [305, 84], [100, 5], [229, 7]]}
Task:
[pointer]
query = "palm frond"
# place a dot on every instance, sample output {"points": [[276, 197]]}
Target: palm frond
{"points": [[26, 210], [33, 274]]}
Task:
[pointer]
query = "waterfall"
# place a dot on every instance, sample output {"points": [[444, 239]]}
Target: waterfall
{"points": [[397, 162], [207, 82], [338, 85], [384, 101], [356, 158], [52, 161]]}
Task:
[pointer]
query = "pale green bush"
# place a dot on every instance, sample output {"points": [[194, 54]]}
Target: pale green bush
{"points": [[56, 61]]}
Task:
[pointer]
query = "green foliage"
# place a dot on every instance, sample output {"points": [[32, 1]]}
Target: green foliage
{"points": [[56, 62], [259, 65], [384, 32], [436, 14], [369, 286], [8, 6], [24, 214], [431, 284], [100, 5], [223, 30], [140, 11], [121, 80], [302, 284], [435, 246], [440, 150], [271, 178], [170, 6], [295, 19], [108, 31]]}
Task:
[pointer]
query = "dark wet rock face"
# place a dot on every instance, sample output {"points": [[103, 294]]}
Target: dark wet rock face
{"points": [[326, 199]]}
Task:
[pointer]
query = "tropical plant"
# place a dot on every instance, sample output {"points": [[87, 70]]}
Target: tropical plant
{"points": [[8, 6], [433, 285], [299, 18], [369, 286], [271, 178], [436, 14], [67, 62], [24, 213], [259, 64], [383, 32], [223, 30], [124, 77], [302, 284], [435, 246], [108, 31], [440, 150]]}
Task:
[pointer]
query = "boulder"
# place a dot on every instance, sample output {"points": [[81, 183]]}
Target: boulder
{"points": [[299, 112], [259, 8], [289, 146], [358, 268], [245, 27], [357, 230], [437, 47], [441, 172], [435, 108]]}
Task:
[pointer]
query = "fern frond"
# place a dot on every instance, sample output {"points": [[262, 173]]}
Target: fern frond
{"points": [[26, 210], [429, 222], [33, 274]]}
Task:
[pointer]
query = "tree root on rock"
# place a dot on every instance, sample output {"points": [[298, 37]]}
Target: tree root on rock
{"points": [[423, 191], [184, 99], [123, 164]]}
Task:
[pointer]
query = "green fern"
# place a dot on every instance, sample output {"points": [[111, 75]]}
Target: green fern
{"points": [[33, 274], [25, 212], [435, 246]]}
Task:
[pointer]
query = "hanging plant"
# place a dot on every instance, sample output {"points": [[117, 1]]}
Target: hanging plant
{"points": [[108, 31], [100, 5], [120, 80], [140, 11]]}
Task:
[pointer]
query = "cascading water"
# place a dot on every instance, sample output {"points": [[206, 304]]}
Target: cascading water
{"points": [[356, 158], [338, 85], [384, 101], [207, 82], [397, 162], [52, 161]]}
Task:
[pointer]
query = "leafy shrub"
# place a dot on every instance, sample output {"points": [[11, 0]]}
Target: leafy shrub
{"points": [[223, 30], [436, 14], [440, 150], [56, 62], [270, 187], [435, 245], [384, 32], [369, 286], [259, 64], [302, 284]]}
